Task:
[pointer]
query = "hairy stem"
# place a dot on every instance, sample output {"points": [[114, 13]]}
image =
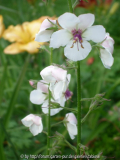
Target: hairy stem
{"points": [[78, 96], [78, 107], [49, 125]]}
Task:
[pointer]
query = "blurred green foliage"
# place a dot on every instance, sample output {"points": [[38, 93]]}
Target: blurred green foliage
{"points": [[101, 131]]}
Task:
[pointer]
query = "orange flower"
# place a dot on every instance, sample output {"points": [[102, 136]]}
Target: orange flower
{"points": [[2, 27], [23, 37]]}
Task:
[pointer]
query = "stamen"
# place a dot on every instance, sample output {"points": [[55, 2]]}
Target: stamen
{"points": [[77, 38]]}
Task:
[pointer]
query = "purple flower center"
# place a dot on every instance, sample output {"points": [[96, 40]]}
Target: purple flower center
{"points": [[77, 37], [68, 94]]}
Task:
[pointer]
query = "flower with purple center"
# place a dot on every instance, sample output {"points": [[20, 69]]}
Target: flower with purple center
{"points": [[75, 34]]}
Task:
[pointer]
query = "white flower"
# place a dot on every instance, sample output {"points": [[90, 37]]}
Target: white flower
{"points": [[71, 124], [106, 53], [53, 73], [39, 95], [34, 123], [44, 34], [76, 33], [60, 91]]}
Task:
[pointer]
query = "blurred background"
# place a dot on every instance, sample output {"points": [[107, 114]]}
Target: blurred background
{"points": [[20, 61]]}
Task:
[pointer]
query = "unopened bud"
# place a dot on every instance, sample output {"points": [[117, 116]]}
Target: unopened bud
{"points": [[33, 83]]}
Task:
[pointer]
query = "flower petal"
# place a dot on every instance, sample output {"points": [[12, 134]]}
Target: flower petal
{"points": [[94, 33], [106, 58], [43, 36], [28, 120], [35, 129], [61, 101], [86, 20], [68, 21], [60, 38], [71, 118], [46, 24], [46, 74], [15, 48], [37, 97], [76, 55], [58, 90], [53, 74], [72, 130], [43, 86], [52, 111]]}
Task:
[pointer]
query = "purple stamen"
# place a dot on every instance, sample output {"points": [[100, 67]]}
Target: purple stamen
{"points": [[77, 37], [68, 94]]}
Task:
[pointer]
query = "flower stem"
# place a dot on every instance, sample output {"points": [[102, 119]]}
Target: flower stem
{"points": [[49, 127], [70, 6], [78, 107], [78, 96]]}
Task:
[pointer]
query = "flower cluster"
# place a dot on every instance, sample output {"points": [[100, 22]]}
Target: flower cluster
{"points": [[56, 80], [75, 35]]}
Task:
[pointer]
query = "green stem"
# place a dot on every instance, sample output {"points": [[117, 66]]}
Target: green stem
{"points": [[15, 93], [51, 56], [56, 124], [75, 4], [70, 6], [49, 127], [78, 107], [83, 120], [48, 137], [78, 96]]}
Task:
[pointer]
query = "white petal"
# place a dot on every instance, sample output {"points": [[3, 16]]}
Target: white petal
{"points": [[55, 111], [52, 111], [106, 58], [46, 74], [52, 74], [61, 101], [59, 74], [71, 118], [45, 107], [72, 129], [86, 20], [28, 120], [35, 129], [68, 79], [76, 55], [60, 38], [46, 24], [37, 97], [43, 36], [43, 86], [71, 136], [37, 120], [68, 21], [58, 90], [94, 33]]}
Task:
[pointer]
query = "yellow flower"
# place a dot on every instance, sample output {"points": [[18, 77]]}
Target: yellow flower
{"points": [[23, 37], [2, 27]]}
